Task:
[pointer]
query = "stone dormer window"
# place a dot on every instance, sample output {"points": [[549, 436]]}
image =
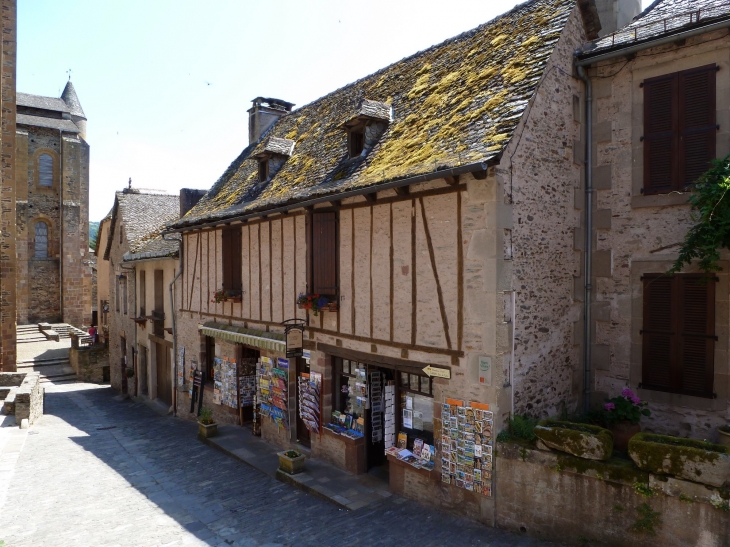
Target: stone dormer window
{"points": [[366, 126], [273, 155]]}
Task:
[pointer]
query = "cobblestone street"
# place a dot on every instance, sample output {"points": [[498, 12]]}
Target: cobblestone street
{"points": [[98, 471]]}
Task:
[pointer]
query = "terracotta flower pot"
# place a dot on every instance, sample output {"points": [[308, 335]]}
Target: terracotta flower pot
{"points": [[622, 433]]}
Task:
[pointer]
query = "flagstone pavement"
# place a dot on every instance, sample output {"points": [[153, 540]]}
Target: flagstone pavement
{"points": [[98, 471]]}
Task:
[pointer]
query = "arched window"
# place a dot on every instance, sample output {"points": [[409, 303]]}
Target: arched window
{"points": [[41, 240], [45, 170]]}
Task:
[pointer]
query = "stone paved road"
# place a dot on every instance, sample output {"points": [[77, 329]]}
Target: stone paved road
{"points": [[95, 471]]}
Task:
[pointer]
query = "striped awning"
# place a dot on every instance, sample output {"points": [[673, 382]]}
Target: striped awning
{"points": [[251, 337]]}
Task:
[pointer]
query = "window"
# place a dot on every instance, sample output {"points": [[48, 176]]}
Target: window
{"points": [[263, 170], [209, 357], [345, 382], [678, 335], [232, 259], [41, 240], [45, 170], [116, 293], [416, 398], [356, 143], [142, 293], [324, 254], [679, 128], [123, 284]]}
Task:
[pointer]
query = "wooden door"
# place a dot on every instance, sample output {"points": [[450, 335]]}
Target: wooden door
{"points": [[303, 436], [164, 385]]}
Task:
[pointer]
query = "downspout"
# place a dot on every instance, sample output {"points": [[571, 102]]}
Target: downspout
{"points": [[60, 225], [588, 251], [174, 325]]}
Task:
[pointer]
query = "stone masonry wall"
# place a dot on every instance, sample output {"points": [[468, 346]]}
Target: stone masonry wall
{"points": [[89, 362], [636, 234], [29, 399]]}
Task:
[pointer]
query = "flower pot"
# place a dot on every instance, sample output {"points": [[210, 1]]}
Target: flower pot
{"points": [[207, 430], [695, 461], [724, 436], [291, 465], [582, 440], [622, 433], [332, 306]]}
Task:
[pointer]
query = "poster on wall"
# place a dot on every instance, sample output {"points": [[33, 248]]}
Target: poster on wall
{"points": [[466, 446], [310, 386], [272, 394]]}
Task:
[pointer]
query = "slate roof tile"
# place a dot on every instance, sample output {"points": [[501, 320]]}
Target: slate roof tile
{"points": [[39, 101], [51, 123], [663, 17], [453, 104]]}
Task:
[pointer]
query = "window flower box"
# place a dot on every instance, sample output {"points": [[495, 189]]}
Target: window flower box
{"points": [[226, 295], [695, 461], [582, 440], [317, 303]]}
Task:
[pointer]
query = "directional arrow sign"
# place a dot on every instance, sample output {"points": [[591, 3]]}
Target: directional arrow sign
{"points": [[437, 372]]}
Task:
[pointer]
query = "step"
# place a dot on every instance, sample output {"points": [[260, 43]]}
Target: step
{"points": [[31, 365]]}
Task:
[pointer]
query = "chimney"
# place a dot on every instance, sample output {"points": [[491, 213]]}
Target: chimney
{"points": [[263, 114], [189, 197], [616, 14]]}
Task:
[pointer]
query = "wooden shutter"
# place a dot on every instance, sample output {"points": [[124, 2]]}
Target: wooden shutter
{"points": [[159, 294], [660, 115], [232, 259], [142, 293], [324, 253], [658, 333], [697, 125], [696, 328]]}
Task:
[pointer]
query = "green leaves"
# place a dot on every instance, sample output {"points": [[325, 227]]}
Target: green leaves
{"points": [[710, 203]]}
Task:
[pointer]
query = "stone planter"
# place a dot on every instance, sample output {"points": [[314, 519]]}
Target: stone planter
{"points": [[622, 433], [695, 461], [582, 440], [207, 430], [291, 465], [724, 436]]}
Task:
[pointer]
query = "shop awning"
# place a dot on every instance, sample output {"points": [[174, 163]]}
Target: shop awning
{"points": [[251, 337]]}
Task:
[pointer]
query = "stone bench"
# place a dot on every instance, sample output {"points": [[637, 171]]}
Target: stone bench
{"points": [[24, 397], [51, 334], [42, 327]]}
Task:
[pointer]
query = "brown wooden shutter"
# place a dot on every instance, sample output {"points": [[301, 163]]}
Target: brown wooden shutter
{"points": [[696, 328], [231, 245], [697, 125], [660, 133], [658, 333], [226, 250], [159, 294], [324, 253]]}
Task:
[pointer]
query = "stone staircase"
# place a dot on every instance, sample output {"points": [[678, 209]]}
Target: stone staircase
{"points": [[31, 333], [55, 369]]}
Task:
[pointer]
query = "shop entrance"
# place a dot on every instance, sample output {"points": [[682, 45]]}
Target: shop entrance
{"points": [[381, 390], [247, 359], [164, 383], [302, 372]]}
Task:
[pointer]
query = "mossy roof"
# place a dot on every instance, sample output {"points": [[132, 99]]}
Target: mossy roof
{"points": [[453, 104]]}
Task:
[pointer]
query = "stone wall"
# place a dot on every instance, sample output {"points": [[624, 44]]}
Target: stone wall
{"points": [[636, 234], [540, 494], [89, 363], [29, 399]]}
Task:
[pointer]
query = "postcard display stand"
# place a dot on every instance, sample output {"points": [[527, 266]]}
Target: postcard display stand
{"points": [[310, 387], [225, 378], [466, 446], [273, 387]]}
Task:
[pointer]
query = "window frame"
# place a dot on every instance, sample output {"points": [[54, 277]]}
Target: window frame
{"points": [[142, 293], [40, 170], [356, 141], [232, 275], [676, 152], [263, 170], [317, 269], [35, 239]]}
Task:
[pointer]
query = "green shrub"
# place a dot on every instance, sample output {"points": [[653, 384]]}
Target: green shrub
{"points": [[523, 427]]}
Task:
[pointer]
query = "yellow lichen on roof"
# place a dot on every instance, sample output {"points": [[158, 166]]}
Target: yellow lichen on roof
{"points": [[453, 104]]}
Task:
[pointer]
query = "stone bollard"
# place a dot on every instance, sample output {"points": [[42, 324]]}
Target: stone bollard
{"points": [[24, 423]]}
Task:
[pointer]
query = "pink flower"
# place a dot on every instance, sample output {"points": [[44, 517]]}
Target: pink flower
{"points": [[635, 400], [627, 393], [609, 406]]}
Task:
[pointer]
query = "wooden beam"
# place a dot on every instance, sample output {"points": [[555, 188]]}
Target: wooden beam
{"points": [[371, 198], [453, 181], [480, 175], [402, 190], [336, 203]]}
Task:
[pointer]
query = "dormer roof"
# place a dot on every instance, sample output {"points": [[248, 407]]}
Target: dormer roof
{"points": [[276, 146], [370, 110]]}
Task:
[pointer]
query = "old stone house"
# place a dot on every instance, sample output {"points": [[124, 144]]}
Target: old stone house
{"points": [[52, 210], [131, 240], [660, 112], [430, 210]]}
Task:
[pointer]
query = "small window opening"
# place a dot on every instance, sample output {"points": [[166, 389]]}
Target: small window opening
{"points": [[41, 240], [357, 142], [263, 170], [45, 170]]}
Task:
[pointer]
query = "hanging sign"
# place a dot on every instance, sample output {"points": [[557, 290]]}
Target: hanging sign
{"points": [[294, 331], [435, 372]]}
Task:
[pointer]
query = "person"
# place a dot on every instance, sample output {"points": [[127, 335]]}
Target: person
{"points": [[93, 334]]}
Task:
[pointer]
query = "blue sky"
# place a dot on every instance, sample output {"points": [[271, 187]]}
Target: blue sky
{"points": [[166, 84]]}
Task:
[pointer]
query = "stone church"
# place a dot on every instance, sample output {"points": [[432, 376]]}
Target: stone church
{"points": [[54, 281]]}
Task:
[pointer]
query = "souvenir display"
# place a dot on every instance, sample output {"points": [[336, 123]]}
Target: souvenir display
{"points": [[310, 386], [273, 378], [466, 447], [423, 456], [389, 415], [346, 425], [376, 407]]}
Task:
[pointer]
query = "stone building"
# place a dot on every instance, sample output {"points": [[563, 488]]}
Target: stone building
{"points": [[52, 210], [141, 266], [661, 111], [430, 210]]}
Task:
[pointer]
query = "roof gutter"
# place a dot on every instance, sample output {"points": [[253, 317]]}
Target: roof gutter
{"points": [[586, 61], [454, 171]]}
